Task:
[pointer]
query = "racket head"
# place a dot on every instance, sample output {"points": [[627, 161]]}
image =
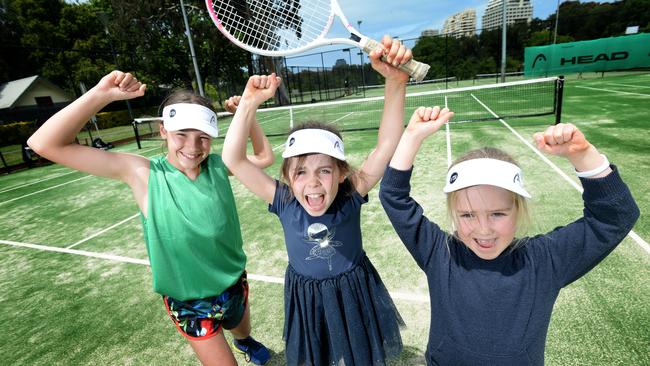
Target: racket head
{"points": [[273, 27]]}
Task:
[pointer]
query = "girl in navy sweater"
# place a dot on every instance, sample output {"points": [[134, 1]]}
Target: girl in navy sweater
{"points": [[492, 294]]}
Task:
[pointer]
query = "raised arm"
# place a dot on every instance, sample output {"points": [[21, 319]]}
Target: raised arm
{"points": [[258, 89], [392, 120], [423, 123], [609, 211], [420, 236], [565, 139], [54, 140], [262, 155]]}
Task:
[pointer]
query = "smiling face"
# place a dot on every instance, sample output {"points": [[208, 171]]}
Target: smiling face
{"points": [[186, 149], [485, 218], [314, 181]]}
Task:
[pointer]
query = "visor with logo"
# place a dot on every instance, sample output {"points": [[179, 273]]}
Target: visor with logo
{"points": [[491, 172]]}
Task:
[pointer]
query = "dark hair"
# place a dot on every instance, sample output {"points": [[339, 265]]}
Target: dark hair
{"points": [[185, 96], [182, 96], [347, 187]]}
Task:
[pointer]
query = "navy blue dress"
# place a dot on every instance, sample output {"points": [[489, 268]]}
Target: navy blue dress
{"points": [[337, 309]]}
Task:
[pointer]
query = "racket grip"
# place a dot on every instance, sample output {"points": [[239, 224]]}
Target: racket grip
{"points": [[417, 70]]}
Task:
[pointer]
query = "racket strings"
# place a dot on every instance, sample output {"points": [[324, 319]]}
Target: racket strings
{"points": [[274, 24]]}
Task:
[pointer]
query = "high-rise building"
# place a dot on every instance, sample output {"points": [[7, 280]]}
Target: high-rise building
{"points": [[461, 24], [516, 11], [430, 33]]}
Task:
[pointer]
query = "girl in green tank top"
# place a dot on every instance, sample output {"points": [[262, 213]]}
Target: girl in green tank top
{"points": [[187, 209]]}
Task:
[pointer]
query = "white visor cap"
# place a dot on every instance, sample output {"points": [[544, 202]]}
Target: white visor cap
{"points": [[313, 140], [182, 116], [491, 172]]}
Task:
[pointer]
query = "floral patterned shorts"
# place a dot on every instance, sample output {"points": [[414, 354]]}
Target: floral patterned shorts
{"points": [[203, 318]]}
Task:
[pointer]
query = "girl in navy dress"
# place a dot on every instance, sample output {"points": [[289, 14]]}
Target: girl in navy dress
{"points": [[337, 310]]}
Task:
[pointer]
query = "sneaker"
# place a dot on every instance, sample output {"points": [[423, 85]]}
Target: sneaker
{"points": [[253, 350]]}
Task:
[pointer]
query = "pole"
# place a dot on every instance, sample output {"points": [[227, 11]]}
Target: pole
{"points": [[559, 92], [103, 17], [363, 75], [557, 18], [322, 62], [4, 162], [446, 60], [503, 43], [189, 40]]}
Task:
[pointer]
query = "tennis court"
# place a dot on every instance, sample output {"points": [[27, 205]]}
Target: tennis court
{"points": [[76, 284]]}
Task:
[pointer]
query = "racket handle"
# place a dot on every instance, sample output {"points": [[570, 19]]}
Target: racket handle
{"points": [[417, 70]]}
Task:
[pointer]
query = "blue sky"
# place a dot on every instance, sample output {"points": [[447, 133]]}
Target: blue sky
{"points": [[407, 19]]}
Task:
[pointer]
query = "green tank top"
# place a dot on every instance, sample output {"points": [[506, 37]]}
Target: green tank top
{"points": [[192, 230]]}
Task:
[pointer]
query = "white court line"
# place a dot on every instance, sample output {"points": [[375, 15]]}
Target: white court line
{"points": [[448, 138], [637, 239], [102, 231], [614, 91], [630, 85], [119, 258], [38, 181], [58, 185], [263, 121], [43, 190], [112, 257]]}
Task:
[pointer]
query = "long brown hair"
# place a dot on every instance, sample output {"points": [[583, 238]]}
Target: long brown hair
{"points": [[347, 187]]}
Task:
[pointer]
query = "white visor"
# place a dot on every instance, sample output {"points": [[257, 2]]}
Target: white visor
{"points": [[312, 140], [182, 116], [491, 172]]}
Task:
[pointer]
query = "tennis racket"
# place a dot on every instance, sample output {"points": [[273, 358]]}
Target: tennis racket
{"points": [[288, 27]]}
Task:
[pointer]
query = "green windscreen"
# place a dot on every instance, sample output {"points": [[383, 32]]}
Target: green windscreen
{"points": [[605, 54]]}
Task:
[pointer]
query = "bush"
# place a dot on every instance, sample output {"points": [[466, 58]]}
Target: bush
{"points": [[15, 133], [121, 118]]}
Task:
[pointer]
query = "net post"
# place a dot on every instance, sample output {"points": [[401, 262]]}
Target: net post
{"points": [[559, 93], [137, 135], [4, 162]]}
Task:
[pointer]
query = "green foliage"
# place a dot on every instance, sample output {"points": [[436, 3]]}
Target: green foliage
{"points": [[15, 133], [111, 119], [467, 56], [70, 42]]}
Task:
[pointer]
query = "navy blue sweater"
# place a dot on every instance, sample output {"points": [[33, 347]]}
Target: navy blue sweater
{"points": [[497, 312]]}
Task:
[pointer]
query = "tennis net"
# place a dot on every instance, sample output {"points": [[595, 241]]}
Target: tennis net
{"points": [[517, 99]]}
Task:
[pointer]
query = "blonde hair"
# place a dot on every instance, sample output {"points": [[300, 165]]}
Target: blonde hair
{"points": [[519, 202]]}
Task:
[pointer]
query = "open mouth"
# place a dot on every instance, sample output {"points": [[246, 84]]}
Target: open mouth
{"points": [[315, 200], [485, 243]]}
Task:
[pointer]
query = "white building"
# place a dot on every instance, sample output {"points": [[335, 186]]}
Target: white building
{"points": [[516, 11], [33, 91], [461, 24], [430, 33]]}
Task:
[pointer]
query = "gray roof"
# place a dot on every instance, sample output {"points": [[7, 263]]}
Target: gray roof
{"points": [[10, 92]]}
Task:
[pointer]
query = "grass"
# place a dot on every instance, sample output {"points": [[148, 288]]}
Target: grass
{"points": [[67, 308]]}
